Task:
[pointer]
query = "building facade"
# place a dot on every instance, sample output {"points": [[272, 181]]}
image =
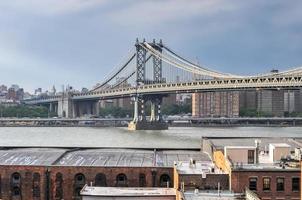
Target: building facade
{"points": [[215, 104]]}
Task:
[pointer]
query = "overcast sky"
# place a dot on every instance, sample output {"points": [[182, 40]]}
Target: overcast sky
{"points": [[77, 42]]}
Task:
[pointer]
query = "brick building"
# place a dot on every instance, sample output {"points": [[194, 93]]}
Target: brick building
{"points": [[36, 173], [269, 169], [215, 104]]}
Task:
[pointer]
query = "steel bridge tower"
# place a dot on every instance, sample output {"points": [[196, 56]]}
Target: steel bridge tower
{"points": [[140, 101]]}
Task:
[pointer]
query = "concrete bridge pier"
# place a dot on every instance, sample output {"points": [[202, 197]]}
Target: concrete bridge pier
{"points": [[65, 106]]}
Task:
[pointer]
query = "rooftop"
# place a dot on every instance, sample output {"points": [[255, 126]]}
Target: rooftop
{"points": [[97, 157], [128, 158], [220, 143], [279, 145], [211, 195], [30, 156], [126, 191], [200, 167]]}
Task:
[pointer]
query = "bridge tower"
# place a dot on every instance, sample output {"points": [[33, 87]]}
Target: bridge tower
{"points": [[140, 101]]}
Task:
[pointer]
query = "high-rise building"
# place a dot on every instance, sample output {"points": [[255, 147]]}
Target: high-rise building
{"points": [[215, 104]]}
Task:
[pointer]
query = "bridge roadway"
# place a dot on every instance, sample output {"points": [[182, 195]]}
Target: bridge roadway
{"points": [[272, 82]]}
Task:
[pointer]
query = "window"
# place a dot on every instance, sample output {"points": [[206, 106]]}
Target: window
{"points": [[16, 178], [16, 191], [165, 180], [36, 185], [58, 186], [296, 184], [253, 184], [142, 180], [80, 179], [266, 184], [121, 180], [100, 180], [36, 177], [280, 184], [36, 191], [77, 193], [250, 156]]}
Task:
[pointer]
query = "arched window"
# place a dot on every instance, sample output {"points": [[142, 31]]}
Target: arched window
{"points": [[16, 178], [79, 179], [36, 185], [142, 180], [36, 177], [58, 186], [100, 180], [121, 180], [165, 180]]}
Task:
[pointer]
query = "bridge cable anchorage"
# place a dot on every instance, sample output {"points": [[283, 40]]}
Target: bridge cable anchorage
{"points": [[183, 66], [120, 69]]}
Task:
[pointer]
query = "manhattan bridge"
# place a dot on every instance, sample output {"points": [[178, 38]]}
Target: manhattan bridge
{"points": [[151, 72]]}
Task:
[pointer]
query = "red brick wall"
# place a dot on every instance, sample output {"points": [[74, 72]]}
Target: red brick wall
{"points": [[69, 173], [240, 180], [210, 182], [26, 173], [110, 172]]}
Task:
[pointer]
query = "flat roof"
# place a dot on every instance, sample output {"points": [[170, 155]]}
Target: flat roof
{"points": [[200, 167], [240, 147], [279, 144], [30, 156], [128, 158], [220, 143], [211, 195], [127, 191]]}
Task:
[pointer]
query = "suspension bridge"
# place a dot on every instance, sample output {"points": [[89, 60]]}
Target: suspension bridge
{"points": [[150, 72]]}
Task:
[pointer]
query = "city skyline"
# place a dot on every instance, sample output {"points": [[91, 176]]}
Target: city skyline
{"points": [[77, 42]]}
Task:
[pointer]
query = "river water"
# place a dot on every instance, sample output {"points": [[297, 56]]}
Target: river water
{"points": [[175, 137]]}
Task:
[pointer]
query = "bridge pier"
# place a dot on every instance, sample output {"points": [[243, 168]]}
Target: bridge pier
{"points": [[65, 106], [82, 108], [140, 122]]}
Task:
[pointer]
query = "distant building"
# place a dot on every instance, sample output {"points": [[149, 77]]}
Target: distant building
{"points": [[215, 104], [3, 88], [38, 91]]}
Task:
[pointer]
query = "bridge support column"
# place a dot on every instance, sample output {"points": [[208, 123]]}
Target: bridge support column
{"points": [[97, 108], [65, 106], [50, 107], [139, 120]]}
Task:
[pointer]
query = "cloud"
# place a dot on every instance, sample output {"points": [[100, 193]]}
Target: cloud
{"points": [[50, 7], [150, 13]]}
